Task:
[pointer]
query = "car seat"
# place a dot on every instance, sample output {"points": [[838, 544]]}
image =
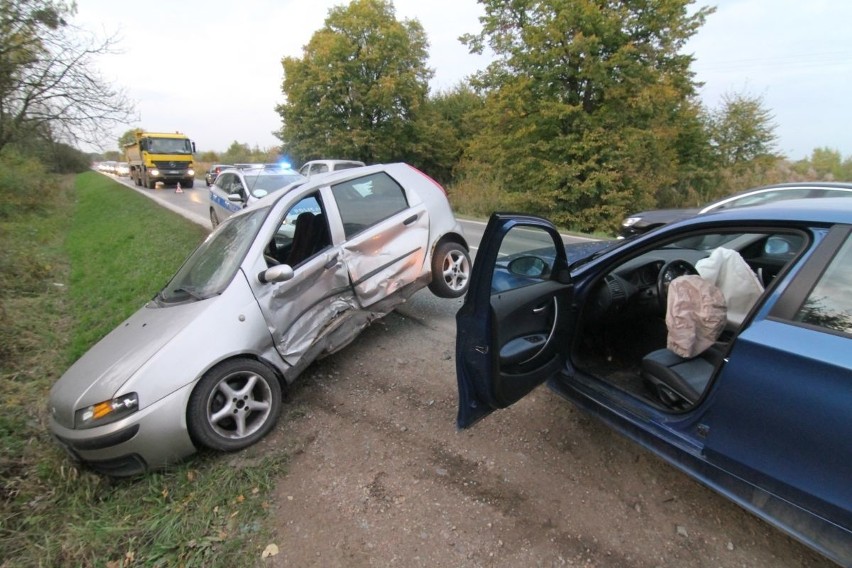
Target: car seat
{"points": [[695, 317]]}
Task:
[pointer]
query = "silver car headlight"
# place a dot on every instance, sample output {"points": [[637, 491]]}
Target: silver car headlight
{"points": [[630, 221], [107, 411]]}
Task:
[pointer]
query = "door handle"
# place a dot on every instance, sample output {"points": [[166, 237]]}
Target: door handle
{"points": [[411, 219], [331, 262], [540, 309]]}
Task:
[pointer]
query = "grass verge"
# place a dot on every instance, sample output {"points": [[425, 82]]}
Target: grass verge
{"points": [[88, 258]]}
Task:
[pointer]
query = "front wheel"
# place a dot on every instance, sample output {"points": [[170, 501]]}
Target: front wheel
{"points": [[214, 219], [450, 270], [187, 184], [234, 405]]}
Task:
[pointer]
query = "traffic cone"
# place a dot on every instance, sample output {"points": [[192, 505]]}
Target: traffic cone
{"points": [[178, 190]]}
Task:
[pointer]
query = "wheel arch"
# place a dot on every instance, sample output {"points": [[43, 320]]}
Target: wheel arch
{"points": [[450, 238]]}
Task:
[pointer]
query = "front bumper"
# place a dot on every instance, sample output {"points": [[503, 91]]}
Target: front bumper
{"points": [[149, 439]]}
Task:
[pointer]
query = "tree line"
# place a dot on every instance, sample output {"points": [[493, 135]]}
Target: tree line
{"points": [[588, 111]]}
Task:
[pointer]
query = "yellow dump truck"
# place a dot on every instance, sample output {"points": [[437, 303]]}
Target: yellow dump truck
{"points": [[160, 156]]}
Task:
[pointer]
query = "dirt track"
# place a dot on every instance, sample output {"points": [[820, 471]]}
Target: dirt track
{"points": [[381, 477]]}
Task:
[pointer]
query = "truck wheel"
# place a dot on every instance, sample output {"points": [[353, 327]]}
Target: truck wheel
{"points": [[187, 184], [150, 183]]}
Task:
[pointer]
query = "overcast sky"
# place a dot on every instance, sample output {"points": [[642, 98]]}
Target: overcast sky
{"points": [[213, 69]]}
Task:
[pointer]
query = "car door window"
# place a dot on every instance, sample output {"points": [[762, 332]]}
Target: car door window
{"points": [[829, 305], [526, 257], [365, 201], [303, 233], [224, 182]]}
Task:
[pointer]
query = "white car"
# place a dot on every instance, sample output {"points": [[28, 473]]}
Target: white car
{"points": [[315, 167], [294, 276]]}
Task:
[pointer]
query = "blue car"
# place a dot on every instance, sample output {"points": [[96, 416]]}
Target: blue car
{"points": [[722, 343]]}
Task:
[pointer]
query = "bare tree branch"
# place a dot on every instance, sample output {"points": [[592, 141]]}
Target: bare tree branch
{"points": [[48, 82]]}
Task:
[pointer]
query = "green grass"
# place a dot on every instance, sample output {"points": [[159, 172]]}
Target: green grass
{"points": [[77, 266]]}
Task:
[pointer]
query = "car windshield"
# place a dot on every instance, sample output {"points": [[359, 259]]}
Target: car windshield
{"points": [[212, 266], [263, 184], [169, 146]]}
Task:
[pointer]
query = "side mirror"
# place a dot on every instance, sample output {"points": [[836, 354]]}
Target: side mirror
{"points": [[277, 273], [235, 197], [531, 266]]}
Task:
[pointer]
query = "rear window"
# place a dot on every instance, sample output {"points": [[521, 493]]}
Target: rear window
{"points": [[364, 202]]}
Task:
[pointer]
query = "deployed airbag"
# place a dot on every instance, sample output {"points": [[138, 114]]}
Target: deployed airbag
{"points": [[695, 315]]}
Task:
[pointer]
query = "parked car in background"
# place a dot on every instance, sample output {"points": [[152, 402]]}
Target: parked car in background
{"points": [[107, 166], [215, 170], [235, 189], [722, 343], [293, 277], [315, 167], [638, 223]]}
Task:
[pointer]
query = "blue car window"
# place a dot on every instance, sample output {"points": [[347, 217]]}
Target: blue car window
{"points": [[526, 256], [829, 304]]}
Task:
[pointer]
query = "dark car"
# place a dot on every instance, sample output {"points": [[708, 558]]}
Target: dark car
{"points": [[215, 170], [721, 343], [643, 222]]}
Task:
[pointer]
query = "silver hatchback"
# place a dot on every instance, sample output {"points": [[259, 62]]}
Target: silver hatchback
{"points": [[294, 276]]}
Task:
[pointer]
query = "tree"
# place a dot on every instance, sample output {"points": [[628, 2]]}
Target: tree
{"points": [[743, 130], [358, 87], [827, 163], [587, 101], [445, 124], [47, 86], [127, 138]]}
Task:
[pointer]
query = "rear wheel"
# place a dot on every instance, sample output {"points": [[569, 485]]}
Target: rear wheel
{"points": [[234, 405], [450, 270]]}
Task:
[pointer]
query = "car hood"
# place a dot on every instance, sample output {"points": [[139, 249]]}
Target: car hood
{"points": [[583, 250], [99, 374]]}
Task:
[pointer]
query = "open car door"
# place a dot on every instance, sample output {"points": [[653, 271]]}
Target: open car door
{"points": [[512, 330]]}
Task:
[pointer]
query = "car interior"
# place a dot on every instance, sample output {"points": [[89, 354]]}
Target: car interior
{"points": [[302, 234], [639, 310]]}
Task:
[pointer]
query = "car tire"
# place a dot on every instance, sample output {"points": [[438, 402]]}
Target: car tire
{"points": [[234, 405], [450, 270], [188, 185], [214, 219]]}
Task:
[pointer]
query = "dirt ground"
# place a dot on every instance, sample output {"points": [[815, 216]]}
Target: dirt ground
{"points": [[381, 477]]}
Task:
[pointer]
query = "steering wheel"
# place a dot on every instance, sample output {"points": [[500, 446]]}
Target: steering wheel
{"points": [[669, 272]]}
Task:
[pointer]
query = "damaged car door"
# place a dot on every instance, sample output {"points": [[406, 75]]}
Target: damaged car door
{"points": [[308, 292], [386, 235]]}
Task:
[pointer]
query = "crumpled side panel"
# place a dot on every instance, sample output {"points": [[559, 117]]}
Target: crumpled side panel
{"points": [[695, 315], [320, 319], [394, 272]]}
